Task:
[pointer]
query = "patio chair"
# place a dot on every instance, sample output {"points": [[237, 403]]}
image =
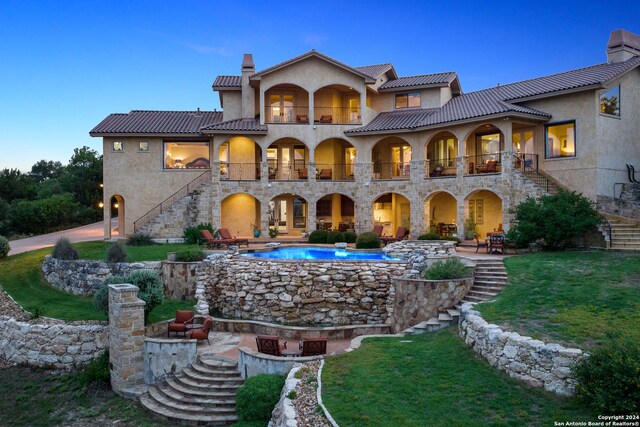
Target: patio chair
{"points": [[300, 118], [203, 332], [401, 234], [377, 229], [224, 233], [496, 243], [313, 346], [325, 174], [326, 119], [302, 173], [179, 324], [480, 244], [270, 344]]}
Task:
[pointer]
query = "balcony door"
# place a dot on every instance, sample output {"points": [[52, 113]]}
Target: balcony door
{"points": [[281, 106], [285, 160], [401, 158]]}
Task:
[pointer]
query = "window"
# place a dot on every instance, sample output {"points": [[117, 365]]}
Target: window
{"points": [[143, 146], [610, 102], [186, 155], [488, 148], [407, 100], [560, 140], [444, 151], [118, 146]]}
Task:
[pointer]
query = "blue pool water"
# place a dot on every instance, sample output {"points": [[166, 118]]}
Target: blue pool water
{"points": [[319, 253]]}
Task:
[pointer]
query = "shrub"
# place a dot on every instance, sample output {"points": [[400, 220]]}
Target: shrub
{"points": [[190, 255], [318, 236], [116, 253], [555, 220], [273, 232], [350, 237], [430, 236], [335, 237], [64, 250], [96, 370], [258, 396], [151, 290], [609, 378], [451, 268], [368, 240], [140, 239], [4, 247], [192, 234]]}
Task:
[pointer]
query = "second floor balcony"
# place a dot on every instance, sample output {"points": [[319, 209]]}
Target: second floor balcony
{"points": [[322, 115]]}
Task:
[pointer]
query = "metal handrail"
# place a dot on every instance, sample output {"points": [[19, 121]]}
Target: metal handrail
{"points": [[171, 200], [391, 170]]}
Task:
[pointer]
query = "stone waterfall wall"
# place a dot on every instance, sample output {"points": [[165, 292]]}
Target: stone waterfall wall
{"points": [[536, 363]]}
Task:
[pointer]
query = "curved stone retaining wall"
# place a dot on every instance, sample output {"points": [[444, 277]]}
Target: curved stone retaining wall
{"points": [[420, 254], [82, 277], [52, 343], [251, 363], [536, 363]]}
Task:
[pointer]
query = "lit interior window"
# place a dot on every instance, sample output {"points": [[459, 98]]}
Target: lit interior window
{"points": [[186, 155]]}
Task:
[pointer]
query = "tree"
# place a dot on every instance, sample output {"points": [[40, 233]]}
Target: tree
{"points": [[15, 185], [46, 170], [83, 175]]}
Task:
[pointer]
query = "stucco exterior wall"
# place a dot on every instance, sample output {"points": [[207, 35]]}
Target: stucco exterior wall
{"points": [[232, 105]]}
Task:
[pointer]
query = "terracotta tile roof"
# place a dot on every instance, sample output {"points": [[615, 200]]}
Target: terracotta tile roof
{"points": [[438, 79], [227, 82], [375, 70], [239, 125], [156, 122]]}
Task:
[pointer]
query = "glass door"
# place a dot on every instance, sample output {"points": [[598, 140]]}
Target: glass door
{"points": [[401, 158], [281, 216], [285, 162]]}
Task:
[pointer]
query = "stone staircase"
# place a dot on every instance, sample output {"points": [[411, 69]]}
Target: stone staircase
{"points": [[625, 235], [490, 279], [202, 394]]}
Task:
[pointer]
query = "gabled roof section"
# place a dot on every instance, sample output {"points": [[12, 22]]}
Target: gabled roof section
{"points": [[312, 54], [594, 76], [394, 120], [252, 126], [424, 80], [144, 122], [377, 70], [227, 83]]}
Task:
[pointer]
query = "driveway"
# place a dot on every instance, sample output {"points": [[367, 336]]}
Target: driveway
{"points": [[80, 234]]}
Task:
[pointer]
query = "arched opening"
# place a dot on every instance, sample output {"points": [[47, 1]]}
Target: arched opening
{"points": [[286, 103], [335, 212], [391, 210], [483, 211], [240, 159], [484, 148], [391, 159], [288, 213], [336, 104], [441, 211], [335, 160], [116, 225], [441, 152], [288, 159], [239, 213]]}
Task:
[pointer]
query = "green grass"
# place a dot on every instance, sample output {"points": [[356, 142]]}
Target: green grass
{"points": [[435, 380], [98, 251], [575, 298], [21, 277]]}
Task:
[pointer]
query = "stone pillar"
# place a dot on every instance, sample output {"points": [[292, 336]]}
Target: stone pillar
{"points": [[417, 172], [312, 170], [264, 218], [311, 216], [126, 340]]}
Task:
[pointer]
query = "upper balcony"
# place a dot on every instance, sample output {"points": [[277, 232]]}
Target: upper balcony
{"points": [[330, 105]]}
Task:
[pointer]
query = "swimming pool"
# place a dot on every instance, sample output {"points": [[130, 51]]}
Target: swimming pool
{"points": [[320, 253]]}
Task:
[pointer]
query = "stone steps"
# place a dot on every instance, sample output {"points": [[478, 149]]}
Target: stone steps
{"points": [[202, 394]]}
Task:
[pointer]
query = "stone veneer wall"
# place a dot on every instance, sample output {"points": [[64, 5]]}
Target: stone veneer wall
{"points": [[82, 277], [622, 207], [52, 343], [536, 363], [312, 292], [179, 279]]}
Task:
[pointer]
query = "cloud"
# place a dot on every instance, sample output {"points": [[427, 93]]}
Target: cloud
{"points": [[314, 39]]}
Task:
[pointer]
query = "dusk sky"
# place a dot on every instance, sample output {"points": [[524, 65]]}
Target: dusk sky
{"points": [[67, 64]]}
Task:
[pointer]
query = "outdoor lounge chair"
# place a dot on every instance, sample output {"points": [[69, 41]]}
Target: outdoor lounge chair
{"points": [[270, 344], [313, 346], [224, 233], [212, 242], [400, 235], [377, 229], [183, 318], [203, 332]]}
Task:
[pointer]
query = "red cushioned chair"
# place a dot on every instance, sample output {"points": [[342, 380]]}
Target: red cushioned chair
{"points": [[183, 318], [203, 332]]}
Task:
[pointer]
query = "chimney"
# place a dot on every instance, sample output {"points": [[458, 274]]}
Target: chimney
{"points": [[622, 45], [248, 92]]}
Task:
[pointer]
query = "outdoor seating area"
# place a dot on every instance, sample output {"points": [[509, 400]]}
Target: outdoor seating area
{"points": [[226, 239], [401, 234], [270, 344], [185, 324]]}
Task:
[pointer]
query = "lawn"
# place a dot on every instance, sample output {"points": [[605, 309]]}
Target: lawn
{"points": [[574, 298], [21, 277], [435, 380], [98, 251]]}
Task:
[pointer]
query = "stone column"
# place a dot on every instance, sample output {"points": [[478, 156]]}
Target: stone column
{"points": [[126, 340], [311, 216]]}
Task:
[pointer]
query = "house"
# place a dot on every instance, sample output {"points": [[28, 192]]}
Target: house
{"points": [[315, 143]]}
